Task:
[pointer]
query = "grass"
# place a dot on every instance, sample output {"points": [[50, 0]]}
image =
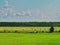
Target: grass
{"points": [[29, 39]]}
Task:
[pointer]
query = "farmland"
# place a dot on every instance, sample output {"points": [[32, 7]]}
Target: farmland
{"points": [[27, 29], [29, 39], [12, 33]]}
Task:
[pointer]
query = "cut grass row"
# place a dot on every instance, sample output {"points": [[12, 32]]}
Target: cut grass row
{"points": [[27, 29]]}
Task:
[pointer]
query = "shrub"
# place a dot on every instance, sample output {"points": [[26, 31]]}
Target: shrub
{"points": [[4, 31], [36, 31], [42, 31], [16, 31], [31, 32], [59, 31]]}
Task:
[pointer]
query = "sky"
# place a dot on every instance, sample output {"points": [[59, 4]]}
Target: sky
{"points": [[29, 10]]}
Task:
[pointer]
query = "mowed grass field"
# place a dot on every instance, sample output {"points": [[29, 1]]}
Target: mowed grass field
{"points": [[28, 29], [29, 39]]}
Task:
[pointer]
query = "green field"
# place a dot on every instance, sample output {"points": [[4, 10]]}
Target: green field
{"points": [[29, 39]]}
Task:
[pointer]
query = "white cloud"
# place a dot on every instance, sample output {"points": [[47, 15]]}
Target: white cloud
{"points": [[19, 13], [29, 12], [23, 12]]}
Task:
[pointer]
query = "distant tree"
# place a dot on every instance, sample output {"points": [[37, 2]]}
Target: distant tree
{"points": [[52, 29]]}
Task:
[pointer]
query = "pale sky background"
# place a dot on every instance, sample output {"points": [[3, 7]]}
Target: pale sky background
{"points": [[29, 10]]}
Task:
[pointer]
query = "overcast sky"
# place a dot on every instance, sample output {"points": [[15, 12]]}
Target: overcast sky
{"points": [[29, 10]]}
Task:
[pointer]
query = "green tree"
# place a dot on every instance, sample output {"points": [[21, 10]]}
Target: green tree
{"points": [[52, 29]]}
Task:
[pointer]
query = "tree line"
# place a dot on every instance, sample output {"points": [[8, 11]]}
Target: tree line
{"points": [[34, 24]]}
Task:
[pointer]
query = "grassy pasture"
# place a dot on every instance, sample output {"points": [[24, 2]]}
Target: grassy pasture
{"points": [[28, 29], [30, 39]]}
